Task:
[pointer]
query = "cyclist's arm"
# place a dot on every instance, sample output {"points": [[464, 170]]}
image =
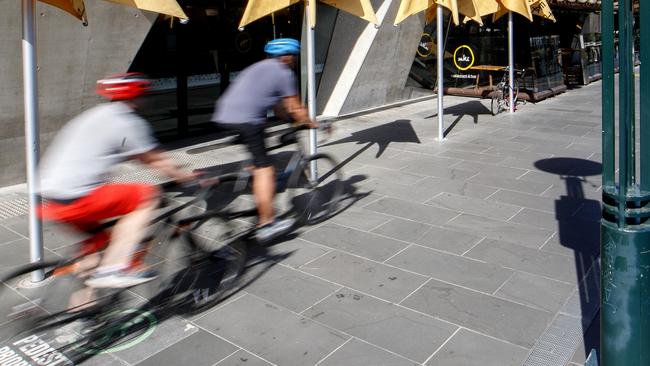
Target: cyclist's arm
{"points": [[298, 111], [160, 161]]}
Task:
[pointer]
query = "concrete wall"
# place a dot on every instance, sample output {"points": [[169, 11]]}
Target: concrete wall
{"points": [[71, 58], [368, 67]]}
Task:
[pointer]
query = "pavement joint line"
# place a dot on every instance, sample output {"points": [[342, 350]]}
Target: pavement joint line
{"points": [[490, 196], [370, 231], [241, 294], [396, 254], [503, 284], [453, 218], [223, 359], [412, 292], [14, 231], [556, 232], [442, 345], [233, 343], [321, 300], [317, 258], [331, 353], [515, 214], [474, 246], [335, 329]]}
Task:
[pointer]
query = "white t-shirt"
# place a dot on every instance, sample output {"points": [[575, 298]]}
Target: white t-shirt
{"points": [[89, 146]]}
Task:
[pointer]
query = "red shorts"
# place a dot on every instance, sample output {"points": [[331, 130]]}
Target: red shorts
{"points": [[103, 203]]}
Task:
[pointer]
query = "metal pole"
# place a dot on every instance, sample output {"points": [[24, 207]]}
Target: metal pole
{"points": [[511, 62], [311, 87], [32, 147], [273, 23], [441, 70]]}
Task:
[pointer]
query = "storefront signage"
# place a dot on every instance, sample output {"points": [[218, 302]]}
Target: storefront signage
{"points": [[463, 58], [426, 46]]}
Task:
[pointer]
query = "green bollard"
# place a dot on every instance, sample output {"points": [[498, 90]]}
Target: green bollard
{"points": [[625, 224]]}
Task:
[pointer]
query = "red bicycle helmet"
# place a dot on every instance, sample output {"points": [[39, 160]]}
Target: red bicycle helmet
{"points": [[123, 86]]}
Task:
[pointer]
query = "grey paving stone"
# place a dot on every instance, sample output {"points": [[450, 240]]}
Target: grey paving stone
{"points": [[16, 253], [463, 188], [413, 211], [388, 283], [297, 251], [289, 288], [525, 259], [360, 218], [472, 156], [467, 348], [474, 206], [484, 277], [537, 141], [440, 170], [404, 230], [536, 291], [199, 349], [389, 175], [491, 141], [274, 334], [490, 169], [494, 229], [483, 313], [242, 358], [358, 242], [565, 208], [7, 235], [166, 334], [388, 326], [54, 235], [452, 241], [415, 193], [510, 184], [500, 151], [355, 353], [545, 220]]}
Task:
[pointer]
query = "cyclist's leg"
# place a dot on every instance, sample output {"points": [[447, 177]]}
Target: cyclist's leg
{"points": [[263, 172], [136, 204]]}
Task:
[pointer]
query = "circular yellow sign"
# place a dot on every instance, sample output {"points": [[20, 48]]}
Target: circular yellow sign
{"points": [[463, 57], [426, 46]]}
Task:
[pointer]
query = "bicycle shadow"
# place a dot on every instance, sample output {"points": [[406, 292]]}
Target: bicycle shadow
{"points": [[578, 221]]}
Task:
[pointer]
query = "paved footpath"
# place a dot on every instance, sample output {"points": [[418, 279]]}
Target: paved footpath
{"points": [[479, 250]]}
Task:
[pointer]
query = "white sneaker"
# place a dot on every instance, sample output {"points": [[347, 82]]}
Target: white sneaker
{"points": [[120, 279], [274, 229]]}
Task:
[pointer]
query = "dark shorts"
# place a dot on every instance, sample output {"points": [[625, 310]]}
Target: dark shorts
{"points": [[251, 135]]}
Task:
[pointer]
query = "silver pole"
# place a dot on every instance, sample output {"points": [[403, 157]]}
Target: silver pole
{"points": [[32, 147], [311, 87], [511, 62], [440, 63], [273, 23]]}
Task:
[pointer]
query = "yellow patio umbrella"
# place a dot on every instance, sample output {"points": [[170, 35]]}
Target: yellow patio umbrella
{"points": [[527, 8], [77, 8], [32, 139], [256, 9]]}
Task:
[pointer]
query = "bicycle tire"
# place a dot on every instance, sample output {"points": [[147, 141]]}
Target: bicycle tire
{"points": [[515, 91], [497, 102], [47, 306], [315, 202]]}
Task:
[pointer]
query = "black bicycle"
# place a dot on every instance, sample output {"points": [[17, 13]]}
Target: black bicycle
{"points": [[501, 93], [309, 188], [195, 271]]}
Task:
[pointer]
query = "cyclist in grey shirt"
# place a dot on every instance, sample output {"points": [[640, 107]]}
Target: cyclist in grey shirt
{"points": [[264, 85]]}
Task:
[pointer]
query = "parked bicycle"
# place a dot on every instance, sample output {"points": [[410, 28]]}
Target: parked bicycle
{"points": [[501, 94]]}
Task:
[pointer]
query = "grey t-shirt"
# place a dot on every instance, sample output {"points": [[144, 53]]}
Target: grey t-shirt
{"points": [[89, 146], [256, 89]]}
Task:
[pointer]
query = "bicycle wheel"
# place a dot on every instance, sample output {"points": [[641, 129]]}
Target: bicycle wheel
{"points": [[201, 269], [314, 201], [515, 91], [497, 102], [45, 309]]}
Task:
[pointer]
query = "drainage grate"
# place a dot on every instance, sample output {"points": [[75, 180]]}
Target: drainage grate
{"points": [[14, 207]]}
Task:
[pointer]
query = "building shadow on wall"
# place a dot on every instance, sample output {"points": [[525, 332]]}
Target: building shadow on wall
{"points": [[578, 220], [472, 109]]}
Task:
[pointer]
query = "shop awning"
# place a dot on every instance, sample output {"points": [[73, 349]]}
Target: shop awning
{"points": [[77, 8]]}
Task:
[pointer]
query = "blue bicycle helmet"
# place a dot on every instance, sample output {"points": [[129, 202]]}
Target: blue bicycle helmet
{"points": [[282, 46]]}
